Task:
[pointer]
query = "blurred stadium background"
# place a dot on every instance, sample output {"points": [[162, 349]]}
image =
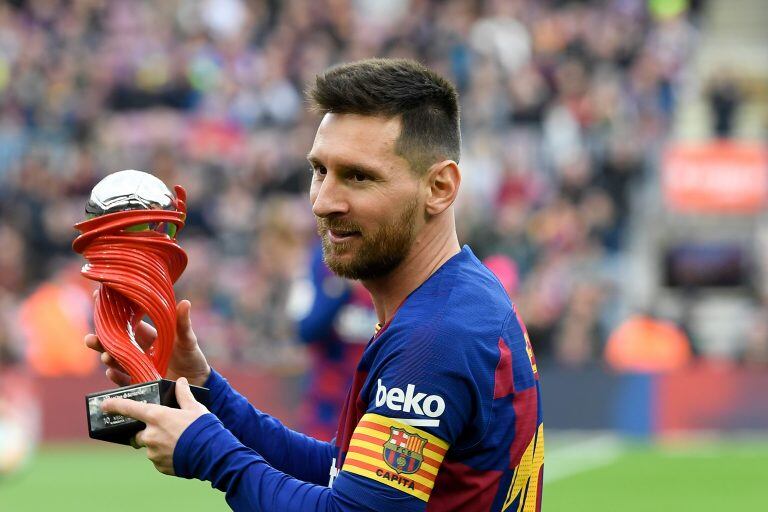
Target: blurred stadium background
{"points": [[614, 152]]}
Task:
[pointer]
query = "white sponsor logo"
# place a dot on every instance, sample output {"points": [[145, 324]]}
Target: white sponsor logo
{"points": [[333, 473], [410, 401]]}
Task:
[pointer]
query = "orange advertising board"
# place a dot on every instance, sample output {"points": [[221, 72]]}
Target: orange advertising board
{"points": [[716, 177]]}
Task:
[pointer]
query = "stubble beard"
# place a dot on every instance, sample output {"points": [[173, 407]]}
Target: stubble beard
{"points": [[378, 254]]}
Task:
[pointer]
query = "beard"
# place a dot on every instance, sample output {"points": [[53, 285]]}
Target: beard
{"points": [[379, 253]]}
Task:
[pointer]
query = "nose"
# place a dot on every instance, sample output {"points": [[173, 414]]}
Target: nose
{"points": [[328, 197]]}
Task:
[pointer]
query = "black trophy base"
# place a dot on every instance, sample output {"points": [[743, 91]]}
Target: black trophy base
{"points": [[115, 428]]}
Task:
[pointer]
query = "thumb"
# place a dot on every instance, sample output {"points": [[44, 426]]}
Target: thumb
{"points": [[186, 335], [184, 395]]}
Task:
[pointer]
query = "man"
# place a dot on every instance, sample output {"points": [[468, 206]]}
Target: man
{"points": [[444, 410]]}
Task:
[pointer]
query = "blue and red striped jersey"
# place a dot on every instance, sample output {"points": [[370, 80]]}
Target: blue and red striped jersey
{"points": [[445, 406], [444, 413]]}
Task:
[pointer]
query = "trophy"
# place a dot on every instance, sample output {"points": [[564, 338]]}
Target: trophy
{"points": [[129, 242]]}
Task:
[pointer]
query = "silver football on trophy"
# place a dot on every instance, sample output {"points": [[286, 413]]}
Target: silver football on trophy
{"points": [[129, 190]]}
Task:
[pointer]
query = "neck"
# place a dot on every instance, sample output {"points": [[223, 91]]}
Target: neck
{"points": [[430, 250]]}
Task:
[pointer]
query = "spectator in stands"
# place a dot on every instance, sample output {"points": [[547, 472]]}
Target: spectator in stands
{"points": [[725, 97], [647, 344], [210, 98]]}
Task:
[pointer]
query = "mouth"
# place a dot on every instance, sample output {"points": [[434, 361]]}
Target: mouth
{"points": [[339, 236]]}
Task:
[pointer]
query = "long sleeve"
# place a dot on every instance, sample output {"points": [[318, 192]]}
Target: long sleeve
{"points": [[277, 481], [207, 451], [288, 451]]}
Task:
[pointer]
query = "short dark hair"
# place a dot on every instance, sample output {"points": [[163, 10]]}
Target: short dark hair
{"points": [[427, 104]]}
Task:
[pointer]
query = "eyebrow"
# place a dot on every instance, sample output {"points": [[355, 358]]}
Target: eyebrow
{"points": [[346, 166]]}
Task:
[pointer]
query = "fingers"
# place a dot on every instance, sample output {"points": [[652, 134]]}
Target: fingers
{"points": [[114, 372], [184, 395], [108, 360], [186, 336], [92, 342], [142, 440], [111, 363], [132, 409], [137, 441], [118, 377], [145, 335]]}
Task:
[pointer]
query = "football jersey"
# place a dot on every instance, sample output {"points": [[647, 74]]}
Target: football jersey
{"points": [[445, 407], [444, 413]]}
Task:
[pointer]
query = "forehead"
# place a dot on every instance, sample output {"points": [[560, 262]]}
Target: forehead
{"points": [[357, 138]]}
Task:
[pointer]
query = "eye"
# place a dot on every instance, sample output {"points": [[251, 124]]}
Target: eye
{"points": [[318, 170], [359, 176]]}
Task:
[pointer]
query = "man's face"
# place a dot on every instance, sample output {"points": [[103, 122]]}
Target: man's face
{"points": [[365, 197]]}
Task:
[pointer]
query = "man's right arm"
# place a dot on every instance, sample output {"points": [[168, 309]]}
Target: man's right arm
{"points": [[286, 450], [293, 453]]}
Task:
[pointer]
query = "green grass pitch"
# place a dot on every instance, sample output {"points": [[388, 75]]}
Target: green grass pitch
{"points": [[596, 474], [97, 477], [701, 475]]}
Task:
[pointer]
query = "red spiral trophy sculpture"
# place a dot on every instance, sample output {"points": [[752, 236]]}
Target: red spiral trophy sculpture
{"points": [[129, 240]]}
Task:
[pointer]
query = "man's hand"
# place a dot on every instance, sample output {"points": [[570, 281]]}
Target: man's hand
{"points": [[187, 360], [164, 424]]}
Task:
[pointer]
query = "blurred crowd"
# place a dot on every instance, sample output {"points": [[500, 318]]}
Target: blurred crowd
{"points": [[564, 105]]}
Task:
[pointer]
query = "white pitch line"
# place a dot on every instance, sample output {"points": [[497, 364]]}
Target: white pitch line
{"points": [[580, 456]]}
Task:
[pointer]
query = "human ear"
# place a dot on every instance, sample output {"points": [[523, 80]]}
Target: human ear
{"points": [[443, 180]]}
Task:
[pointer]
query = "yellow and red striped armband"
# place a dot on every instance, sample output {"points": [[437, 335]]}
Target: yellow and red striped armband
{"points": [[393, 453]]}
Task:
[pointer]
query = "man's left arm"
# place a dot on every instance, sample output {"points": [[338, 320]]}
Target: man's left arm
{"points": [[291, 452], [418, 407], [190, 442]]}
